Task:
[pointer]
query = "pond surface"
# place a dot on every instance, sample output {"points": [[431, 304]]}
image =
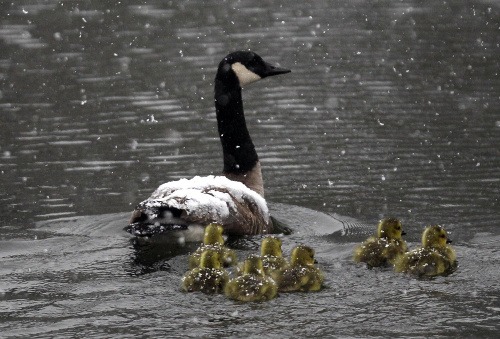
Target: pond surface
{"points": [[391, 109]]}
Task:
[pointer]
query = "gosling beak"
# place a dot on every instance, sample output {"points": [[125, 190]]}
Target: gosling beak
{"points": [[274, 70], [403, 233], [448, 241]]}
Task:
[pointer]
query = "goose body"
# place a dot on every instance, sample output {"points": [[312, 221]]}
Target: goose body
{"points": [[384, 248], [235, 199], [435, 256]]}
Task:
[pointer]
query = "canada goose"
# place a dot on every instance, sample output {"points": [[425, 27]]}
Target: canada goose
{"points": [[302, 275], [385, 247], [252, 284], [435, 257], [213, 240], [208, 277], [236, 199]]}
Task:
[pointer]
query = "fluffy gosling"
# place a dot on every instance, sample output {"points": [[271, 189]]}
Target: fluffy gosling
{"points": [[384, 248], [435, 257], [213, 240], [252, 284], [302, 275], [208, 277]]}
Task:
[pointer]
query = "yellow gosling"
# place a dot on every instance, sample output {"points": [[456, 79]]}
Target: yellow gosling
{"points": [[213, 234], [253, 284], [435, 257], [209, 277], [302, 275], [384, 248], [272, 257], [213, 240]]}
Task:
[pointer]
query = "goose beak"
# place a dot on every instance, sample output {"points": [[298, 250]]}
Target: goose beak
{"points": [[448, 241], [403, 233], [274, 70]]}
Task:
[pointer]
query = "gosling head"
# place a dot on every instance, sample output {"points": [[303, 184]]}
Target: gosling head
{"points": [[213, 234], [302, 255], [244, 67], [210, 259], [435, 236], [253, 265], [271, 246], [390, 228]]}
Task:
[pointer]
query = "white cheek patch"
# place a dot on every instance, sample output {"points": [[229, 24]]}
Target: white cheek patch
{"points": [[245, 76]]}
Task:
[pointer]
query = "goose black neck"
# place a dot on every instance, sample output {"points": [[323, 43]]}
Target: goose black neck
{"points": [[238, 149]]}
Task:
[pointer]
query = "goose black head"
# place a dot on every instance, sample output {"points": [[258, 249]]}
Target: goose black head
{"points": [[244, 67]]}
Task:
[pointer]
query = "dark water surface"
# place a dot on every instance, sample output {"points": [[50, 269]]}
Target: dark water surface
{"points": [[392, 108]]}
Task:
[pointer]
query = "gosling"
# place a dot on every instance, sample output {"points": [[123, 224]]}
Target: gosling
{"points": [[209, 277], [436, 257], [272, 257], [213, 239], [253, 284], [302, 275], [384, 248]]}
